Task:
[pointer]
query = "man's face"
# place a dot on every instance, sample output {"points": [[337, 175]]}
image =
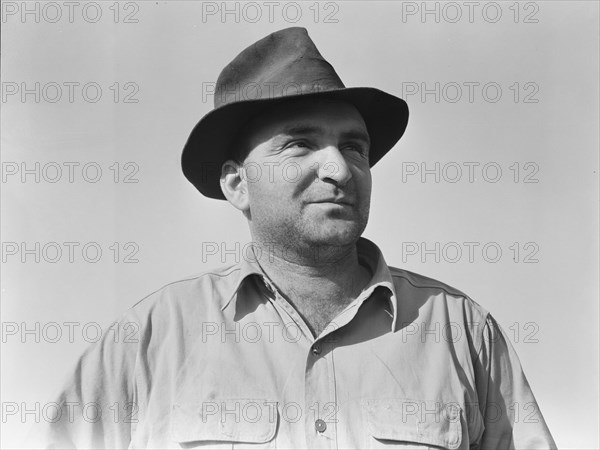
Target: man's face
{"points": [[307, 174]]}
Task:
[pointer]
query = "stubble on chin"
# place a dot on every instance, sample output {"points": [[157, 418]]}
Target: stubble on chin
{"points": [[335, 230]]}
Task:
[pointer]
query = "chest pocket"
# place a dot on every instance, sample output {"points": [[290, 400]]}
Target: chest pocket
{"points": [[225, 424], [413, 424]]}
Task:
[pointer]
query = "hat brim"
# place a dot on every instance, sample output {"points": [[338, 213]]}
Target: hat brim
{"points": [[210, 142]]}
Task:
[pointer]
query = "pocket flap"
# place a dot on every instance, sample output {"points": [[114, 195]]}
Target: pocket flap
{"points": [[226, 420], [408, 420]]}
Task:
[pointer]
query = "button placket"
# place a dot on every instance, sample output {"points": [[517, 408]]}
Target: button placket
{"points": [[320, 397], [296, 319]]}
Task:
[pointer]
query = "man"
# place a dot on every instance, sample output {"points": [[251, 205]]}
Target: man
{"points": [[312, 341]]}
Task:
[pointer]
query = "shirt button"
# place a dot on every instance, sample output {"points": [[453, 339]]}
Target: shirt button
{"points": [[320, 425], [316, 350]]}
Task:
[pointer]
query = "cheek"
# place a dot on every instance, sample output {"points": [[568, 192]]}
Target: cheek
{"points": [[266, 194], [257, 193], [363, 182]]}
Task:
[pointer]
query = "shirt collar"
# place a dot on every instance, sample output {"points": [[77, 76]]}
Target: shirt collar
{"points": [[368, 254], [247, 267]]}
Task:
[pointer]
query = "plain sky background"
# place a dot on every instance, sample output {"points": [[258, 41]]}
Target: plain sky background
{"points": [[543, 129]]}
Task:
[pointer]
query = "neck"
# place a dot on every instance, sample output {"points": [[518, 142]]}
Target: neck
{"points": [[319, 262], [319, 281]]}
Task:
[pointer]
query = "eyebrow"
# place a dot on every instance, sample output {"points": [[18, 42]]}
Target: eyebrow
{"points": [[310, 129]]}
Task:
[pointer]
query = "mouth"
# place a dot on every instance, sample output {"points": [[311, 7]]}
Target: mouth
{"points": [[332, 201]]}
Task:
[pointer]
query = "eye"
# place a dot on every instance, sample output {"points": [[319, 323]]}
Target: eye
{"points": [[300, 144], [356, 148]]}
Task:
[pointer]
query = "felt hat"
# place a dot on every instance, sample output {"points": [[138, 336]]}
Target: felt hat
{"points": [[281, 67]]}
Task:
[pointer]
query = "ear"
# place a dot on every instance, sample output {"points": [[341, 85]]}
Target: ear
{"points": [[234, 185]]}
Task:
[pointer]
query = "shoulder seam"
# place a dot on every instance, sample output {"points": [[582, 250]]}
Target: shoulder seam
{"points": [[439, 286], [229, 272]]}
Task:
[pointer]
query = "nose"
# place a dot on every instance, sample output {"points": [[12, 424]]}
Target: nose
{"points": [[333, 167]]}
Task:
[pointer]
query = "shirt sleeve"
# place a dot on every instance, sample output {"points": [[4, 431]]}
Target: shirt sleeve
{"points": [[512, 417], [97, 407]]}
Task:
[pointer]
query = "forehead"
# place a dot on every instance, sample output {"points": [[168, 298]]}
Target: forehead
{"points": [[332, 115]]}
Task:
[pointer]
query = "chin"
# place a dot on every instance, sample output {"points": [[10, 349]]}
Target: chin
{"points": [[338, 235]]}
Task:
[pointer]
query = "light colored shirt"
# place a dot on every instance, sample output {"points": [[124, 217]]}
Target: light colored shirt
{"points": [[222, 360]]}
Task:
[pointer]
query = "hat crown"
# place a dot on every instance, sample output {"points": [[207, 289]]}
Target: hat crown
{"points": [[284, 63]]}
